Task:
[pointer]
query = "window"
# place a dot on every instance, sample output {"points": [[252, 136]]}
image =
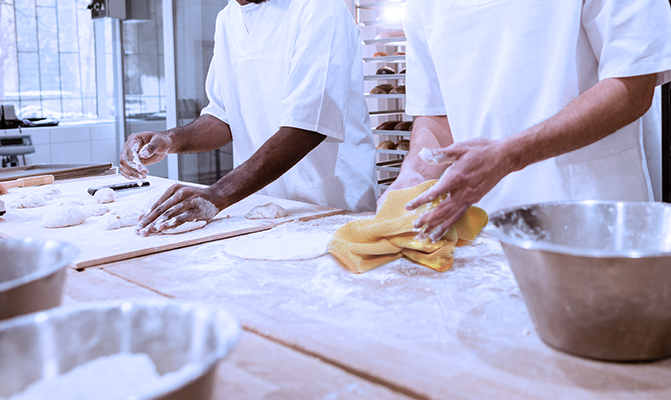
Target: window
{"points": [[47, 58]]}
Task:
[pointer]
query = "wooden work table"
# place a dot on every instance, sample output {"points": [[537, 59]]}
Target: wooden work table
{"points": [[314, 330]]}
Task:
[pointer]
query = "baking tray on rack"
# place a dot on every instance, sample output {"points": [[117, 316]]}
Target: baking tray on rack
{"points": [[59, 171]]}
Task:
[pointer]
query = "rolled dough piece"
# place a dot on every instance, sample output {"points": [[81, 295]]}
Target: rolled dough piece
{"points": [[185, 227], [63, 216], [120, 219], [98, 210], [104, 196], [28, 200], [288, 246], [266, 211]]}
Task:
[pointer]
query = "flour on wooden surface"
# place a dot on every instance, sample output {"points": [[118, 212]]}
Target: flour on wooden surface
{"points": [[266, 211], [287, 246]]}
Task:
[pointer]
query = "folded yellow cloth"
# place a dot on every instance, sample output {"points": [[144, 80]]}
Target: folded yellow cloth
{"points": [[368, 243]]}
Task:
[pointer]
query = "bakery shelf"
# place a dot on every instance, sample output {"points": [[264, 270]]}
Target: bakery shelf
{"points": [[384, 77], [385, 151], [391, 165], [384, 113], [378, 5], [391, 133], [385, 96], [385, 59], [393, 41], [383, 24]]}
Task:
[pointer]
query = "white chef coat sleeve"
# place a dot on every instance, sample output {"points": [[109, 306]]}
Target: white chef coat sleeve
{"points": [[423, 94], [213, 89], [630, 38], [319, 79]]}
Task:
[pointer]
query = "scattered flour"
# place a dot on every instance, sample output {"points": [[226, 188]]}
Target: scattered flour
{"points": [[118, 376]]}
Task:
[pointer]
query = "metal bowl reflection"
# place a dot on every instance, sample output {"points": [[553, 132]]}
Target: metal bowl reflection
{"points": [[595, 276], [32, 273], [185, 339]]}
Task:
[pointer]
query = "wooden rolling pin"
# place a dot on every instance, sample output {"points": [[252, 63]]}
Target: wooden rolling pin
{"points": [[24, 182]]}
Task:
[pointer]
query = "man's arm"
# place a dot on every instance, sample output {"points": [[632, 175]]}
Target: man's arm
{"points": [[206, 133], [181, 203], [481, 164], [429, 132]]}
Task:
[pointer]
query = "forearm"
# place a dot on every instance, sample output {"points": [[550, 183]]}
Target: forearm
{"points": [[206, 133], [281, 152], [432, 133], [606, 107]]}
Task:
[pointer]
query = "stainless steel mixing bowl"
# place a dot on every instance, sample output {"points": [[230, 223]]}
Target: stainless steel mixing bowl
{"points": [[173, 334], [595, 276], [32, 273]]}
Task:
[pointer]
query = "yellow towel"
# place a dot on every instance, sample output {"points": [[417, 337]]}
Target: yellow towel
{"points": [[366, 244]]}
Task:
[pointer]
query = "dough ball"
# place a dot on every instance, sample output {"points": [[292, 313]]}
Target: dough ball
{"points": [[185, 227], [120, 219], [266, 211], [98, 210], [385, 71], [50, 193], [390, 34], [387, 126], [381, 89], [104, 196], [403, 126], [62, 216], [386, 145], [400, 89], [403, 144], [28, 200], [380, 54]]}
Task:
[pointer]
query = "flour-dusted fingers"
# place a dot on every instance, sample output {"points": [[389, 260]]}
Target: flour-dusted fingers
{"points": [[129, 163], [437, 222], [437, 156], [180, 204], [167, 200]]}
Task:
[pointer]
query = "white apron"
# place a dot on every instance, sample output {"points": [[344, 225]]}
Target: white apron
{"points": [[297, 63], [497, 67]]}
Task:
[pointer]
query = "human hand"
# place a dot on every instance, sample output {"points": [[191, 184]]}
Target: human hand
{"points": [[179, 204], [143, 148], [479, 164], [404, 180]]}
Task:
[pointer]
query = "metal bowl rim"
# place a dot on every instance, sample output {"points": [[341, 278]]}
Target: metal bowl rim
{"points": [[69, 255], [568, 250], [226, 324]]}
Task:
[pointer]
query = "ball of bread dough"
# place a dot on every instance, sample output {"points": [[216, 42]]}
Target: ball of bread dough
{"points": [[380, 54], [385, 71], [120, 219], [403, 144], [400, 89], [403, 126], [98, 210], [28, 200], [387, 126], [390, 34], [386, 145], [270, 210], [104, 196], [63, 216], [50, 193]]}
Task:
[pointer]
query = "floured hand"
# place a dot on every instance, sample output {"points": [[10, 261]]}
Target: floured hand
{"points": [[179, 205], [141, 149]]}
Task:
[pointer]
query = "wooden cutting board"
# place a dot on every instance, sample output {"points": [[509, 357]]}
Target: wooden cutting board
{"points": [[98, 246]]}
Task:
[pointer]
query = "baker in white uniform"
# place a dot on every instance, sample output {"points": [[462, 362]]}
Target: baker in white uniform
{"points": [[542, 100], [286, 86]]}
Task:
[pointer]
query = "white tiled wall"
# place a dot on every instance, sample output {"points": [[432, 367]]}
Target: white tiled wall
{"points": [[71, 144]]}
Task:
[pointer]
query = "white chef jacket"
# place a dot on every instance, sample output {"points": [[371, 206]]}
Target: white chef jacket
{"points": [[297, 63], [497, 67]]}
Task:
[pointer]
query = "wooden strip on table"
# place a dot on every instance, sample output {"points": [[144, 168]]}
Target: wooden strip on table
{"points": [[460, 334], [59, 171], [99, 246]]}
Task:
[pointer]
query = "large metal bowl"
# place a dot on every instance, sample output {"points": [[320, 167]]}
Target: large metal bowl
{"points": [[32, 273], [595, 276], [173, 334]]}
